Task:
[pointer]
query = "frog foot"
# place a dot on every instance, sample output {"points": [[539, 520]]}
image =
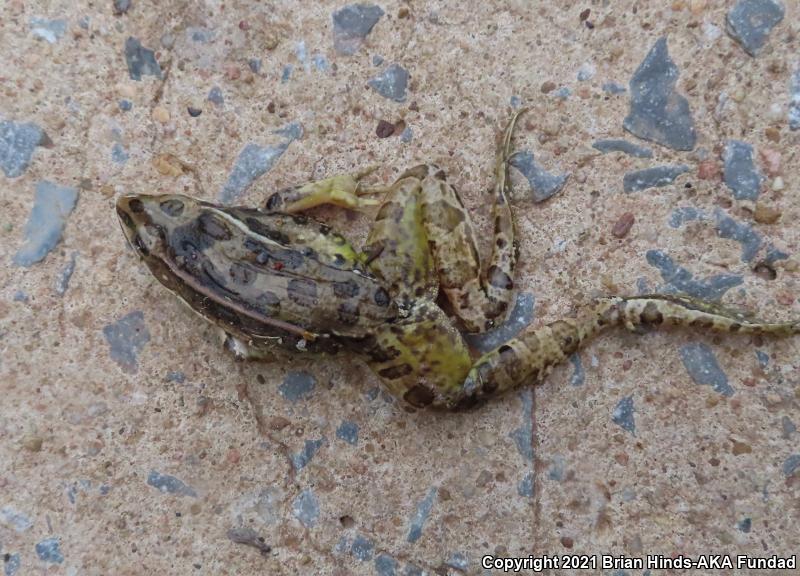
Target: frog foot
{"points": [[343, 190]]}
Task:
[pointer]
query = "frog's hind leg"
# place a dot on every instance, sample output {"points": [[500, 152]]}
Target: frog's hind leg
{"points": [[343, 190], [529, 358], [479, 299], [397, 246]]}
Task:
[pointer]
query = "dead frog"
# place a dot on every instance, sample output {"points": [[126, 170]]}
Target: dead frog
{"points": [[272, 277]]}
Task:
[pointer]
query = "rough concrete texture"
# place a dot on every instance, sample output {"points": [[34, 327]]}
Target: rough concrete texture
{"points": [[131, 442]]}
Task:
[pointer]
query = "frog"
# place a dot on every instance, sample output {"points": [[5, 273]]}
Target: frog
{"points": [[273, 279]]}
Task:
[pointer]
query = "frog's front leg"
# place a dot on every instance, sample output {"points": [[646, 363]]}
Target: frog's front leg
{"points": [[529, 358], [343, 190]]}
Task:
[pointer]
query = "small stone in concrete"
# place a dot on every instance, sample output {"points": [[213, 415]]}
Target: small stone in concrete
{"points": [[629, 148], [459, 561], [122, 6], [578, 377], [348, 432], [62, 282], [563, 93], [254, 161], [126, 337], [249, 537], [525, 486], [681, 280], [586, 71], [385, 565], [255, 65], [321, 63], [297, 386], [12, 564], [407, 135], [742, 232], [52, 205], [421, 515], [740, 172], [517, 320], [788, 428], [17, 142], [391, 83], [287, 73], [141, 61], [169, 484], [306, 508], [614, 88], [48, 550], [556, 470], [215, 96], [523, 435], [623, 415], [702, 366], [125, 105], [655, 177], [352, 24], [176, 376], [657, 112], [17, 520], [118, 153], [543, 184], [51, 31], [744, 525], [791, 465], [749, 22], [685, 214], [763, 358], [794, 102], [362, 548], [310, 448], [200, 34]]}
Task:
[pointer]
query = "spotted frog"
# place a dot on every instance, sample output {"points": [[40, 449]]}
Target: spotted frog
{"points": [[273, 278]]}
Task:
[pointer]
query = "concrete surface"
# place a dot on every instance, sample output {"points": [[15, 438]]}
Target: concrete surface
{"points": [[131, 443]]}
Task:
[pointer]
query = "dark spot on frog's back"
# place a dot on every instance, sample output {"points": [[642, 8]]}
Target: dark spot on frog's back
{"points": [[126, 218], [381, 297], [241, 273], [262, 229], [499, 279], [445, 214], [346, 289], [172, 207], [214, 226], [303, 292], [348, 313], [395, 372]]}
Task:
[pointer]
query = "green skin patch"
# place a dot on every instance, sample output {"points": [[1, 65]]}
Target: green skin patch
{"points": [[274, 278]]}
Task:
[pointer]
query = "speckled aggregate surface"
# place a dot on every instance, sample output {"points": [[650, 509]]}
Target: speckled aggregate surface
{"points": [[131, 442]]}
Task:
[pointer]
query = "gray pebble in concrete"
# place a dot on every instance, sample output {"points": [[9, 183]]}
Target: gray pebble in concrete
{"points": [[517, 320], [701, 364], [306, 508], [126, 338], [297, 386], [169, 484], [543, 184], [421, 514], [740, 172], [141, 61], [742, 232], [623, 415], [13, 562], [62, 282], [348, 432], [614, 88], [51, 31], [794, 101], [17, 142], [215, 96], [749, 22], [52, 205], [352, 24], [522, 436], [657, 112], [301, 459], [682, 280], [525, 486], [122, 6], [49, 550], [254, 161], [629, 148], [791, 465], [655, 177], [385, 565], [578, 377], [392, 83]]}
